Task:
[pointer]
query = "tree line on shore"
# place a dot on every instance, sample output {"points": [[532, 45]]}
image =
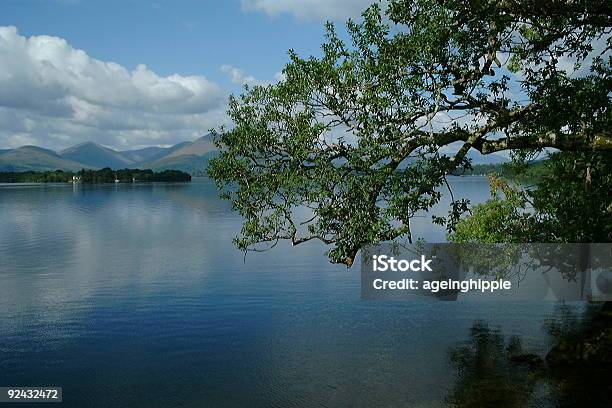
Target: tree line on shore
{"points": [[105, 175], [531, 171]]}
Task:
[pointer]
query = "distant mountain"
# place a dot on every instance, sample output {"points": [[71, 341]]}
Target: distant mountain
{"points": [[189, 163], [96, 156], [491, 158], [142, 155], [191, 157], [28, 158], [149, 154], [198, 147]]}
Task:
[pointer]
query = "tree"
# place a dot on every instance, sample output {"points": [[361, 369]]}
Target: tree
{"points": [[570, 203], [350, 145]]}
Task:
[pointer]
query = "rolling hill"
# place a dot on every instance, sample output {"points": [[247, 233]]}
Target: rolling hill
{"points": [[190, 163], [146, 154], [190, 157], [198, 147], [28, 158], [96, 156]]}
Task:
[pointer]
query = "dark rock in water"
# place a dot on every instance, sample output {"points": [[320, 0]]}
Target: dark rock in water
{"points": [[531, 360], [592, 348]]}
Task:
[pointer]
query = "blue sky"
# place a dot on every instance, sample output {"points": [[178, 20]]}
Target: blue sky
{"points": [[136, 73], [186, 37]]}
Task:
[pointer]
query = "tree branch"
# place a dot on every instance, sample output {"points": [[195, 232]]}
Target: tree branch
{"points": [[575, 142]]}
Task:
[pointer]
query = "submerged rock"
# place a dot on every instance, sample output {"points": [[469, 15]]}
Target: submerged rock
{"points": [[591, 348], [533, 361]]}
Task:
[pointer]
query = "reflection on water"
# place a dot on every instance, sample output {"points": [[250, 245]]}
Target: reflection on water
{"points": [[496, 371], [133, 295], [580, 363], [486, 375]]}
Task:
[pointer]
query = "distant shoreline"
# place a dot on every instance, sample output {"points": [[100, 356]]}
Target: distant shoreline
{"points": [[102, 176], [532, 171]]}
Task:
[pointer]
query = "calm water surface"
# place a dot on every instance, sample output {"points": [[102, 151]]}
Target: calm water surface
{"points": [[133, 296]]}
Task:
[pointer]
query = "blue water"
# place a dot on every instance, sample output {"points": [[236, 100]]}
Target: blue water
{"points": [[134, 296]]}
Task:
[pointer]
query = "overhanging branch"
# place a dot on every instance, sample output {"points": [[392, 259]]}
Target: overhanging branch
{"points": [[575, 142]]}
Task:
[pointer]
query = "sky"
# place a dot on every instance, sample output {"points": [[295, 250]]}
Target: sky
{"points": [[129, 74]]}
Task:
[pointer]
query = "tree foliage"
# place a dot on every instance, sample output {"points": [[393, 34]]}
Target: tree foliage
{"points": [[351, 144], [571, 203]]}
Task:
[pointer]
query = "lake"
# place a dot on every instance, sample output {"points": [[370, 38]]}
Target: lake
{"points": [[134, 296]]}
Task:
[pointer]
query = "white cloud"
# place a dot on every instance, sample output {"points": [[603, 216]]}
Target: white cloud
{"points": [[310, 9], [280, 76], [54, 95], [567, 64], [239, 77]]}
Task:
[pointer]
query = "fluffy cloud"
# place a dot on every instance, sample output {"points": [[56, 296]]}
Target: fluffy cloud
{"points": [[239, 77], [54, 95], [309, 9]]}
